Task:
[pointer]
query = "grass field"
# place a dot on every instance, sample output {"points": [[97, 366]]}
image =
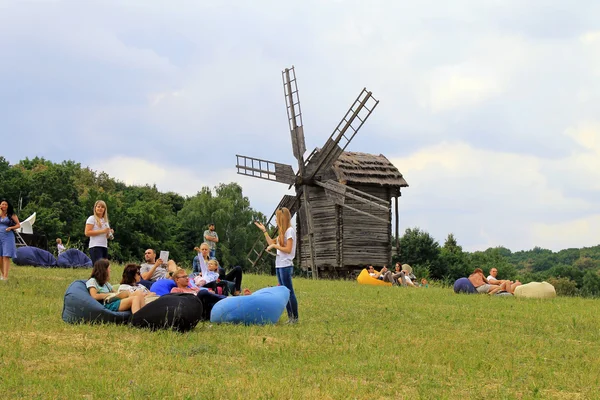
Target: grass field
{"points": [[352, 342]]}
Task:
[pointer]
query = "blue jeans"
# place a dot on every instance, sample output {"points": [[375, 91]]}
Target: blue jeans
{"points": [[284, 278], [212, 254]]}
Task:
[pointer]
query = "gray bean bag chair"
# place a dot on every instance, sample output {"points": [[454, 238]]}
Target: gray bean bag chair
{"points": [[80, 307], [74, 258], [29, 255]]}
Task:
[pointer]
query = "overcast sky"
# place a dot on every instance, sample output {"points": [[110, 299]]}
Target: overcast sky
{"points": [[490, 109]]}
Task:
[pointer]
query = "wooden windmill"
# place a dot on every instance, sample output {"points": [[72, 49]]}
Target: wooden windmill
{"points": [[324, 200]]}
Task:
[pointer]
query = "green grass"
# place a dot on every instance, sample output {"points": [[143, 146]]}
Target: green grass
{"points": [[352, 341]]}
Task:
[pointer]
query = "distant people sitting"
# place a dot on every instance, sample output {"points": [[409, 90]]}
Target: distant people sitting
{"points": [[383, 275], [482, 285], [100, 289], [59, 246], [409, 277], [398, 275], [509, 284], [234, 275]]}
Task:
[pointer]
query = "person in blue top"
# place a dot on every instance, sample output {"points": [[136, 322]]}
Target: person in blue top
{"points": [[8, 248]]}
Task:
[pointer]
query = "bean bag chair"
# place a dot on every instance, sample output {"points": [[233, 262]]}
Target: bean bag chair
{"points": [[179, 312], [79, 306], [262, 307], [464, 285], [74, 258], [536, 290], [28, 255], [365, 279], [162, 286]]}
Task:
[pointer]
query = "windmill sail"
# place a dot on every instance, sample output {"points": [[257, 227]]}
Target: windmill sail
{"points": [[294, 113], [354, 119], [264, 169]]}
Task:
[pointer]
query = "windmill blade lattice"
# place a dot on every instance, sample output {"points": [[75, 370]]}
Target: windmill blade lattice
{"points": [[343, 134], [264, 169], [294, 113]]}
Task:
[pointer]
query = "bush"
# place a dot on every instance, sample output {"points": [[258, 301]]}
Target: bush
{"points": [[564, 286]]}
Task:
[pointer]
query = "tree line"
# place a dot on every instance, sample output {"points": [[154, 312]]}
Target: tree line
{"points": [[63, 194]]}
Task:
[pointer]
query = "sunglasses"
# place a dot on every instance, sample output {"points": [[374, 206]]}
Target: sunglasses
{"points": [[182, 276]]}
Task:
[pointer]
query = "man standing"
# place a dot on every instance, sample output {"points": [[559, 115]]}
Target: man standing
{"points": [[211, 238]]}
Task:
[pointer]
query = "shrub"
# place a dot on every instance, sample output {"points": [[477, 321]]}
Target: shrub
{"points": [[564, 286]]}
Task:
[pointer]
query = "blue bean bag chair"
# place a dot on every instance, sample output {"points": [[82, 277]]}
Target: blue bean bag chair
{"points": [[262, 307], [74, 258], [179, 312], [29, 255], [464, 285], [162, 286], [80, 307]]}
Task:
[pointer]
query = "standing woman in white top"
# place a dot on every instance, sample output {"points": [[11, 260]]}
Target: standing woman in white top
{"points": [[99, 231], [285, 243]]}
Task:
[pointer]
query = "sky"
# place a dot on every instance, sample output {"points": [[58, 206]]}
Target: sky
{"points": [[488, 108]]}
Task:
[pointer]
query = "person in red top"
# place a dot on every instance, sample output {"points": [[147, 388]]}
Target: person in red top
{"points": [[183, 283]]}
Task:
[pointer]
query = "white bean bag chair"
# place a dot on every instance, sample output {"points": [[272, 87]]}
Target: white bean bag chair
{"points": [[536, 290]]}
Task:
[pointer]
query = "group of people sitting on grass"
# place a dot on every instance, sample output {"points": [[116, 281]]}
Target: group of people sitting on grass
{"points": [[491, 285], [141, 284], [402, 275]]}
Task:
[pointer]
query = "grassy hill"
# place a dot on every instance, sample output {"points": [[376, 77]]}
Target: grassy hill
{"points": [[352, 342]]}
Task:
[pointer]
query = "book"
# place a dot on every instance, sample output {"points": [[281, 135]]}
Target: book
{"points": [[164, 255]]}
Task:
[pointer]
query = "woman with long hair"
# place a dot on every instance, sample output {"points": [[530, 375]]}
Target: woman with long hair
{"points": [[100, 289], [285, 244], [131, 279], [8, 247], [99, 231]]}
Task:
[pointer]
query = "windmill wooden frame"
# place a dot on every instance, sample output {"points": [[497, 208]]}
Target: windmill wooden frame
{"points": [[323, 196]]}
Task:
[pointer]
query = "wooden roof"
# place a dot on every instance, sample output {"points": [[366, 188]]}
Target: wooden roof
{"points": [[364, 168]]}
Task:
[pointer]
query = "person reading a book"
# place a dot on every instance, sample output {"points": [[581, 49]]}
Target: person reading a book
{"points": [[100, 289], [153, 269]]}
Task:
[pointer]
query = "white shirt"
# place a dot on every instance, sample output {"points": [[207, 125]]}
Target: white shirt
{"points": [[98, 240], [491, 278], [207, 275], [286, 259]]}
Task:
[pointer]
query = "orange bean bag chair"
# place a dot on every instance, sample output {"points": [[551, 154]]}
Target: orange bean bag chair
{"points": [[365, 279]]}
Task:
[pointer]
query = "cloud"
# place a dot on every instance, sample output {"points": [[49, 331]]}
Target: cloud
{"points": [[491, 198]]}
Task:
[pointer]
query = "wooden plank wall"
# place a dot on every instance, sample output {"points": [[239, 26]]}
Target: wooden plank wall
{"points": [[324, 218], [367, 240], [344, 238]]}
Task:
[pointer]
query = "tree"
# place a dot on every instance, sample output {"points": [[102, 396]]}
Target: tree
{"points": [[454, 260], [420, 250], [591, 284]]}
